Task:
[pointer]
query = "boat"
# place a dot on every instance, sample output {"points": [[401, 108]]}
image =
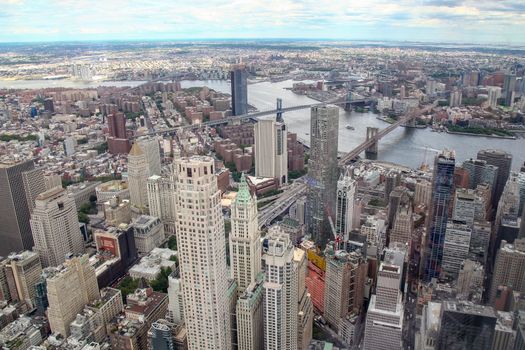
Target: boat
{"points": [[350, 127]]}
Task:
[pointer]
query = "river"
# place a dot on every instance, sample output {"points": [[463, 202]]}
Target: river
{"points": [[409, 147]]}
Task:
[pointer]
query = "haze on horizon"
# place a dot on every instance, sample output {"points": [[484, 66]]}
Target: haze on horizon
{"points": [[467, 21]]}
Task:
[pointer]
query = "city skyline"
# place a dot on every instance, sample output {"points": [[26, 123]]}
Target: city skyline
{"points": [[409, 20]]}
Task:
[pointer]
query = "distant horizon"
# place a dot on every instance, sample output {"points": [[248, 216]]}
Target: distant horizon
{"points": [[454, 21]]}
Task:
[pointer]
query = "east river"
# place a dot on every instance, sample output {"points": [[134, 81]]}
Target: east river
{"points": [[409, 147]]}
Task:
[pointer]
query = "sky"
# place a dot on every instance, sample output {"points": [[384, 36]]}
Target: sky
{"points": [[464, 21]]}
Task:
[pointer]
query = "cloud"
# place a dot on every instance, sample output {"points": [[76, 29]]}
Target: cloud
{"points": [[349, 19]]}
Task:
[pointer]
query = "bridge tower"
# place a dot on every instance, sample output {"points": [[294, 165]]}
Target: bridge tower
{"points": [[348, 104], [280, 110], [372, 150]]}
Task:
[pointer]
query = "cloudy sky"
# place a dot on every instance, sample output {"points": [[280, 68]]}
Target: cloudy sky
{"points": [[478, 21]]}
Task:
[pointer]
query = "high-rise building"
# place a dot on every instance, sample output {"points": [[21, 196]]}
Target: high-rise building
{"points": [[455, 247], [271, 153], [161, 201], [151, 148], [138, 173], [509, 268], [401, 232], [509, 85], [15, 230], [21, 271], [443, 187], [503, 161], [481, 172], [280, 291], [249, 312], [34, 184], [118, 142], [55, 227], [494, 92], [384, 319], [245, 240], [148, 232], [344, 285], [322, 172], [398, 197], [73, 286], [344, 208], [422, 193], [465, 325], [455, 98], [202, 254], [305, 308], [464, 206], [239, 86], [175, 304]]}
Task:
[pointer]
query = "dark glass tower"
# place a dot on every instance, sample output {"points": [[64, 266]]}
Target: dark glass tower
{"points": [[503, 161], [442, 190], [239, 85]]}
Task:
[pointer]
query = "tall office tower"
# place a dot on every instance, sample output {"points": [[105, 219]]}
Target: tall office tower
{"points": [[175, 304], [392, 180], [280, 291], [398, 197], [239, 86], [480, 240], [422, 193], [509, 86], [54, 223], [481, 172], [401, 232], [34, 184], [305, 308], [151, 148], [344, 285], [15, 231], [118, 142], [161, 201], [506, 222], [455, 98], [271, 153], [466, 326], [509, 268], [465, 206], [138, 173], [249, 311], [443, 187], [503, 161], [384, 319], [471, 278], [73, 286], [202, 254], [161, 335], [344, 208], [245, 240], [322, 172], [21, 272], [494, 92], [455, 247]]}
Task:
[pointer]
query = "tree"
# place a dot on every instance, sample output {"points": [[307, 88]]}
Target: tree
{"points": [[160, 284], [82, 217], [172, 242], [92, 198], [128, 286]]}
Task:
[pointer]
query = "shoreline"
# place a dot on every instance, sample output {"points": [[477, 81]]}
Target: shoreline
{"points": [[480, 135]]}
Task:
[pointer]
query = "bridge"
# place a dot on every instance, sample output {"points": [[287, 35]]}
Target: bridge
{"points": [[282, 204]]}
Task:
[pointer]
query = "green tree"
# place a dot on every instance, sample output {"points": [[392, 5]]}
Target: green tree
{"points": [[82, 217], [172, 242], [128, 286], [160, 284]]}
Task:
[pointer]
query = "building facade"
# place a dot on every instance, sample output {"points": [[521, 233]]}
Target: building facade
{"points": [[271, 152]]}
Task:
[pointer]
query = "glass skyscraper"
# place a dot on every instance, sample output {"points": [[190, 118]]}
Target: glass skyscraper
{"points": [[442, 190], [239, 86]]}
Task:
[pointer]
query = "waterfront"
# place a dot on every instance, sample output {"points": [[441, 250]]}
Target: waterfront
{"points": [[405, 146]]}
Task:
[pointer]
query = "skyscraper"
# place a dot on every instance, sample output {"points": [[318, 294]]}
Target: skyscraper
{"points": [[138, 173], [384, 319], [15, 230], [34, 184], [455, 247], [161, 200], [503, 161], [509, 86], [509, 268], [23, 270], [202, 254], [494, 93], [305, 311], [480, 172], [271, 153], [249, 312], [344, 209], [322, 172], [466, 326], [239, 86], [54, 223], [403, 225], [69, 289], [118, 142], [151, 148], [280, 292], [245, 241], [442, 189]]}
